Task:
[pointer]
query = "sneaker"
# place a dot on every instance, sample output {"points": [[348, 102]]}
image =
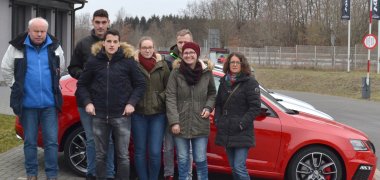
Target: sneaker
{"points": [[169, 177]]}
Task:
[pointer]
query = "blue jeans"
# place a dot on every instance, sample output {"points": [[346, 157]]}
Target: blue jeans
{"points": [[148, 133], [237, 159], [169, 154], [86, 121], [199, 147], [47, 119], [121, 130]]}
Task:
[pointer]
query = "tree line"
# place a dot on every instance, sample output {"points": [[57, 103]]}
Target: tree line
{"points": [[248, 23]]}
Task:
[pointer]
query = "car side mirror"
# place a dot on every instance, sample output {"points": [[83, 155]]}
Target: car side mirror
{"points": [[263, 114]]}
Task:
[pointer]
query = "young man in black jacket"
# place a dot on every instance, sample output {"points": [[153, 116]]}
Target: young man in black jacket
{"points": [[110, 87], [79, 58]]}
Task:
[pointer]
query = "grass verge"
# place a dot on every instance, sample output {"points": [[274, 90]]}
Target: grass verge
{"points": [[335, 83], [8, 138]]}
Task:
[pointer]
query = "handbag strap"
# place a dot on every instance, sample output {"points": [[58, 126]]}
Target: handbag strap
{"points": [[229, 97]]}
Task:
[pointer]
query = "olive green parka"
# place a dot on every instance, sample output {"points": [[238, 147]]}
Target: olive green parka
{"points": [[184, 103], [153, 101]]}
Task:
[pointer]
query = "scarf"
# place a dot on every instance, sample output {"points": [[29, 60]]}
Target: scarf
{"points": [[231, 78], [192, 76], [147, 63]]}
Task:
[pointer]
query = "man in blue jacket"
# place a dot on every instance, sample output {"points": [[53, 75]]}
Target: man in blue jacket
{"points": [[32, 66]]}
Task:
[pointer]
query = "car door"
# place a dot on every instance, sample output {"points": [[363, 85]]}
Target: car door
{"points": [[263, 157]]}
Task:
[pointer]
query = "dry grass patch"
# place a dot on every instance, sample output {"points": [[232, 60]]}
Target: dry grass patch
{"points": [[336, 83]]}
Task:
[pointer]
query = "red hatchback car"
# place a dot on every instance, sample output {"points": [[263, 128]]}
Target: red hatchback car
{"points": [[289, 144]]}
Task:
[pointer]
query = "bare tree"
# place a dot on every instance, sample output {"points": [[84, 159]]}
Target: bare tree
{"points": [[82, 26]]}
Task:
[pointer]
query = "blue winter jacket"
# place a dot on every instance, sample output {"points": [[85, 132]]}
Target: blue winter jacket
{"points": [[31, 86]]}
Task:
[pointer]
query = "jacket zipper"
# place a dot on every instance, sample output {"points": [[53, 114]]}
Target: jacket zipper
{"points": [[192, 109], [108, 73]]}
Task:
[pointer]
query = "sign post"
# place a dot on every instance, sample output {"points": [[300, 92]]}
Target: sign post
{"points": [[346, 6], [369, 41]]}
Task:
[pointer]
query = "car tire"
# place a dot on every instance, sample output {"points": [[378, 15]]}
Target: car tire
{"points": [[75, 151], [315, 162]]}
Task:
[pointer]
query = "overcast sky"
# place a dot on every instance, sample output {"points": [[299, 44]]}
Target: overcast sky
{"points": [[136, 7]]}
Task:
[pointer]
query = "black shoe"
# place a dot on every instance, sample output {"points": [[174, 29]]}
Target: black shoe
{"points": [[90, 177]]}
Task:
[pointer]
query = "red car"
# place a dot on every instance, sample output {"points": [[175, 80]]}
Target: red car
{"points": [[289, 144]]}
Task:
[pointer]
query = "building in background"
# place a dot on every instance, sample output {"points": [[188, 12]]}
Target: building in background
{"points": [[15, 14]]}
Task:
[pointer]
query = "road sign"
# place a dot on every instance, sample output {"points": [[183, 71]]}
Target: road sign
{"points": [[369, 41]]}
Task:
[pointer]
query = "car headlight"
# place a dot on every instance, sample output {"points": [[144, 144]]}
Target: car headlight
{"points": [[358, 145]]}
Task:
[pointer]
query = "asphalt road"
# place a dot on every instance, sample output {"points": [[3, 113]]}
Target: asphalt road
{"points": [[360, 114]]}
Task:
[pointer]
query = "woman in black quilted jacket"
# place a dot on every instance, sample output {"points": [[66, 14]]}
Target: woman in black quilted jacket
{"points": [[237, 105]]}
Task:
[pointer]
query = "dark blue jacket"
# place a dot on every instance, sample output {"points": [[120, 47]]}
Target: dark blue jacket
{"points": [[110, 84]]}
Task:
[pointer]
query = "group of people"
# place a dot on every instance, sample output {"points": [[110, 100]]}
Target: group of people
{"points": [[164, 102]]}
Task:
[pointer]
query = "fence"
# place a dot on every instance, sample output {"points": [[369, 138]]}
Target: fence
{"points": [[320, 57]]}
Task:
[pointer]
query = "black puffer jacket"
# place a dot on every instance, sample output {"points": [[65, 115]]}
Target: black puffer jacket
{"points": [[81, 54], [235, 122], [173, 55], [111, 84]]}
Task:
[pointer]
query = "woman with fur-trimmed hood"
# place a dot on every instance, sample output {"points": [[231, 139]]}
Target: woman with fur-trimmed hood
{"points": [[110, 87], [190, 97], [149, 119]]}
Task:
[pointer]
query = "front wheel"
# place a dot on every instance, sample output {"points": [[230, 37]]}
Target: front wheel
{"points": [[315, 163], [75, 151]]}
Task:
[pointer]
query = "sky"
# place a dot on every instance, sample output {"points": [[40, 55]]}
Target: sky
{"points": [[134, 8]]}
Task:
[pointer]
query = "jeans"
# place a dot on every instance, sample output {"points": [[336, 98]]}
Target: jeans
{"points": [[47, 119], [121, 130], [148, 133], [86, 121], [237, 159], [169, 155], [199, 147]]}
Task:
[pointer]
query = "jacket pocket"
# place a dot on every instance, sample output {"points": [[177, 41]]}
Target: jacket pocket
{"points": [[16, 98], [158, 104]]}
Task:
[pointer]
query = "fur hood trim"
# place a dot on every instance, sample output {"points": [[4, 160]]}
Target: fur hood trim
{"points": [[158, 57], [128, 49], [206, 64]]}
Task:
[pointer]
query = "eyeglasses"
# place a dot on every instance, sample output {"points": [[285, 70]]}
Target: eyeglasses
{"points": [[235, 62], [146, 48], [189, 53]]}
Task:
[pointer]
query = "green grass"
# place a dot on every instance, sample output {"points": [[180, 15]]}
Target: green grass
{"points": [[336, 83], [8, 138]]}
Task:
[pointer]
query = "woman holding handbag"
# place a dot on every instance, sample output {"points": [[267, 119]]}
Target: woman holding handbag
{"points": [[237, 105]]}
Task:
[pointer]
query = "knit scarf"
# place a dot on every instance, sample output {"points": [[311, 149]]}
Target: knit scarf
{"points": [[231, 78], [192, 76], [148, 63]]}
